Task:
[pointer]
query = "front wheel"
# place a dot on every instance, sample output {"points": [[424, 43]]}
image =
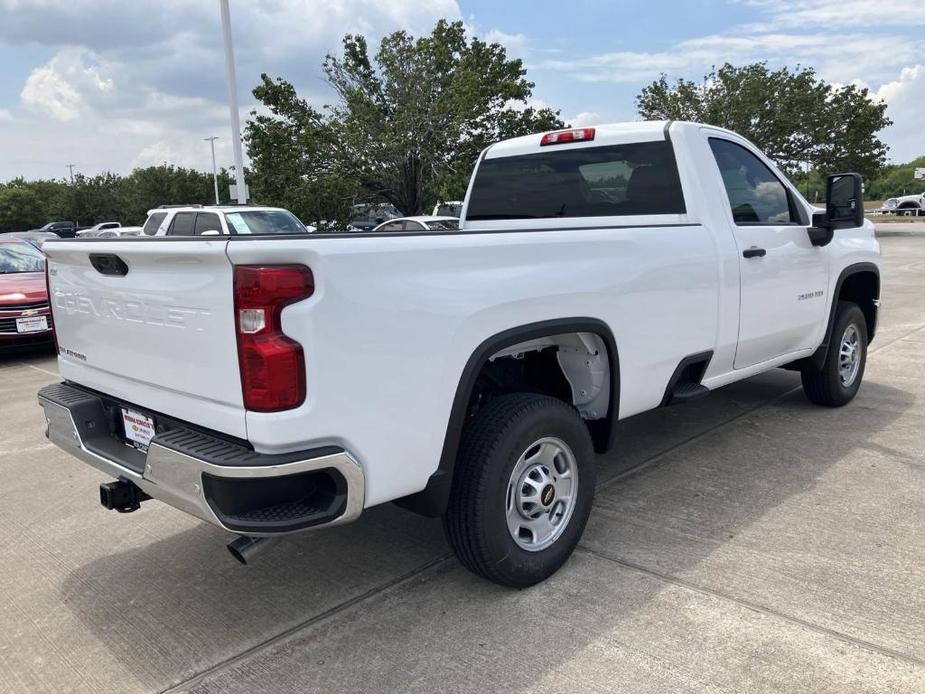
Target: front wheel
{"points": [[522, 489], [838, 381]]}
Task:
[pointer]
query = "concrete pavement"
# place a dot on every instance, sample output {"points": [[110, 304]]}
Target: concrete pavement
{"points": [[748, 542], [899, 228]]}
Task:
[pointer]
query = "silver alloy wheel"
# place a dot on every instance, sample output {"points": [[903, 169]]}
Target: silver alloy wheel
{"points": [[849, 356], [542, 493]]}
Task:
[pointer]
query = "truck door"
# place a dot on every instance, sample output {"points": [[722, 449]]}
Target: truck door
{"points": [[783, 277]]}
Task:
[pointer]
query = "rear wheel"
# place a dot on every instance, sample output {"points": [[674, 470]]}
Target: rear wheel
{"points": [[522, 489], [838, 381]]}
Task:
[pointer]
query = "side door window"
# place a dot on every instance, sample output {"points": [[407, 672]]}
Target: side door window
{"points": [[207, 221], [182, 224], [756, 195], [153, 223]]}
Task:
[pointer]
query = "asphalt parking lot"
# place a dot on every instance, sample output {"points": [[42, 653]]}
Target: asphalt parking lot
{"points": [[747, 542]]}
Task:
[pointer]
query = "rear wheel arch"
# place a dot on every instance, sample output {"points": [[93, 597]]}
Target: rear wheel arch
{"points": [[432, 500]]}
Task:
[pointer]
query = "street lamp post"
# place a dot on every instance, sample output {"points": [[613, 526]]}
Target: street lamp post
{"points": [[233, 104], [211, 140]]}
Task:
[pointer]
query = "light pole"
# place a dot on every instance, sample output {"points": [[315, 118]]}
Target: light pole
{"points": [[233, 104], [71, 169], [211, 140]]}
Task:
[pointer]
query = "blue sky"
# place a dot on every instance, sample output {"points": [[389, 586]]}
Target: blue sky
{"points": [[110, 85]]}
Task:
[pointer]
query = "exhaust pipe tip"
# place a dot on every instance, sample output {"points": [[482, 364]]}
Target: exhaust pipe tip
{"points": [[244, 548]]}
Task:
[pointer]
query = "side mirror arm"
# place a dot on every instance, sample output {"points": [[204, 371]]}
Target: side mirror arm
{"points": [[822, 231]]}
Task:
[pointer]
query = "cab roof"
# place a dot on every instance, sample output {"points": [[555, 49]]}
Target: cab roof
{"points": [[608, 134], [215, 208]]}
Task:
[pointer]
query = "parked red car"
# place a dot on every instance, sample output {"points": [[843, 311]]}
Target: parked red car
{"points": [[24, 314]]}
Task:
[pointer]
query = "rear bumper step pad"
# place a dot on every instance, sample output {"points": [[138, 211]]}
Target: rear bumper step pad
{"points": [[219, 481]]}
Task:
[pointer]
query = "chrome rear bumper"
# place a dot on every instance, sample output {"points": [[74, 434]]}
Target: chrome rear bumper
{"points": [[221, 482]]}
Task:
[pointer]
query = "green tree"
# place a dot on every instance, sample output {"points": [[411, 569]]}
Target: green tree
{"points": [[895, 180], [91, 199], [791, 114], [411, 121], [21, 208], [104, 197], [407, 127], [293, 158], [149, 187]]}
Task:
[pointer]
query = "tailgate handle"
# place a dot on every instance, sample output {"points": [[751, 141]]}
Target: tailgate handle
{"points": [[108, 264]]}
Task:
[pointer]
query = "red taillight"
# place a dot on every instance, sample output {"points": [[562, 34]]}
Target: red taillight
{"points": [[272, 365], [561, 137]]}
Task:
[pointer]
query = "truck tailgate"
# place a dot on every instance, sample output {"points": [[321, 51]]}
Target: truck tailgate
{"points": [[157, 331]]}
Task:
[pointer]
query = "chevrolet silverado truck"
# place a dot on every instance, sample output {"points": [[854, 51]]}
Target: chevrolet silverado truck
{"points": [[273, 383]]}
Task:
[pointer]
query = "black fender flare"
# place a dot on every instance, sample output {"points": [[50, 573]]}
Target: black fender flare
{"points": [[432, 500], [817, 359]]}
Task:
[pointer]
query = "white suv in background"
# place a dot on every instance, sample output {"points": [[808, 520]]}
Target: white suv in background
{"points": [[198, 220]]}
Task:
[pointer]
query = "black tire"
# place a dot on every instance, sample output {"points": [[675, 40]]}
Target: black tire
{"points": [[825, 387], [476, 518]]}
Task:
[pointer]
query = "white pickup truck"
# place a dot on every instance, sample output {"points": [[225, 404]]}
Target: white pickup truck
{"points": [[913, 205], [272, 384]]}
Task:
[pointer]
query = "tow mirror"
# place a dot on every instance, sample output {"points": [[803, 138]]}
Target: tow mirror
{"points": [[844, 207], [844, 200]]}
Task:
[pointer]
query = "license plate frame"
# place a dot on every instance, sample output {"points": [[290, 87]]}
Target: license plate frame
{"points": [[31, 324], [138, 428]]}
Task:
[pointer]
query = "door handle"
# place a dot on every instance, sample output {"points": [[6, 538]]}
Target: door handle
{"points": [[754, 252]]}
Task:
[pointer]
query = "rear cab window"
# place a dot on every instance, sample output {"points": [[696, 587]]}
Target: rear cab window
{"points": [[602, 181]]}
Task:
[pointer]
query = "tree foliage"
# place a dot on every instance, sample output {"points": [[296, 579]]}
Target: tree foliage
{"points": [[105, 197], [293, 158], [20, 207], [896, 180], [408, 124], [791, 114]]}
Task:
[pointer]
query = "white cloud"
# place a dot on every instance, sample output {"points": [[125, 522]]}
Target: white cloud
{"points": [[178, 150], [5, 115], [851, 55], [63, 86], [533, 102], [824, 14], [514, 43], [584, 118], [874, 57], [134, 85], [904, 99]]}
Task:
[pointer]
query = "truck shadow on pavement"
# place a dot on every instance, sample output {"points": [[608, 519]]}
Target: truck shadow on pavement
{"points": [[712, 481]]}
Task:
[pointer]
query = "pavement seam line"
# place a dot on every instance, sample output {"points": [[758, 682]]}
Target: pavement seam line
{"points": [[756, 607], [902, 337], [39, 368], [671, 449], [658, 456], [257, 648]]}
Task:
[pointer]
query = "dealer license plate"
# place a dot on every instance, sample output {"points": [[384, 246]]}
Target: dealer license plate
{"points": [[139, 429], [33, 324]]}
